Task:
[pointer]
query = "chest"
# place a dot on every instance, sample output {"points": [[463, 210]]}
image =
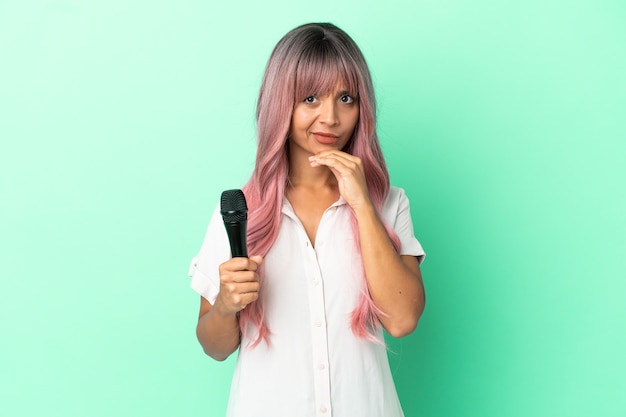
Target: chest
{"points": [[327, 275], [309, 209]]}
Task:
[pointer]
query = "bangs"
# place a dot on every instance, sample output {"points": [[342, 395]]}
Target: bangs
{"points": [[321, 69]]}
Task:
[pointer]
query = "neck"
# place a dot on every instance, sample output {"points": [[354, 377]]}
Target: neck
{"points": [[318, 177], [301, 173]]}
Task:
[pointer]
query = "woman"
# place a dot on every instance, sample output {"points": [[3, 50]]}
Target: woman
{"points": [[334, 259]]}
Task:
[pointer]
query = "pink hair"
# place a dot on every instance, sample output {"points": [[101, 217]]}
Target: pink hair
{"points": [[310, 59]]}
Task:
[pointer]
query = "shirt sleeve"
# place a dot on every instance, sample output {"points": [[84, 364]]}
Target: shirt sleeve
{"points": [[215, 250], [397, 214]]}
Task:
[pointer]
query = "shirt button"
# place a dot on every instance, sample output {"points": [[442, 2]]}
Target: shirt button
{"points": [[316, 281], [323, 409], [317, 323], [321, 366]]}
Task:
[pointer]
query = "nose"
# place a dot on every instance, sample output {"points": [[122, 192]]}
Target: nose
{"points": [[328, 111]]}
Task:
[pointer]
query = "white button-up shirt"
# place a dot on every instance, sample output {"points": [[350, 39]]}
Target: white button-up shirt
{"points": [[314, 364]]}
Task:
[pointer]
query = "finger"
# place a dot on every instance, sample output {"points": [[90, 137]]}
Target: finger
{"points": [[244, 299], [239, 276], [240, 264], [342, 168], [345, 158], [335, 155], [233, 289], [338, 153], [248, 287], [337, 162], [237, 302], [257, 259], [234, 264]]}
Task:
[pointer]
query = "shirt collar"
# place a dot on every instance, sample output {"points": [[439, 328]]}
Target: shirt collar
{"points": [[288, 210]]}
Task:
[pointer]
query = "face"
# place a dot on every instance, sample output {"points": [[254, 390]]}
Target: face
{"points": [[323, 123]]}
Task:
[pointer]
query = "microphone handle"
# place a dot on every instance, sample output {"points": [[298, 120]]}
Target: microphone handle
{"points": [[237, 238]]}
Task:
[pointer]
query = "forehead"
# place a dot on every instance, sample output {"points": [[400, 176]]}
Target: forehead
{"points": [[324, 74]]}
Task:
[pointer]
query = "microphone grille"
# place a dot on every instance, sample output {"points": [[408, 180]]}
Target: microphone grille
{"points": [[233, 206]]}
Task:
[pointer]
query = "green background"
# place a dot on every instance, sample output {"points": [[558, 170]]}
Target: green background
{"points": [[121, 123]]}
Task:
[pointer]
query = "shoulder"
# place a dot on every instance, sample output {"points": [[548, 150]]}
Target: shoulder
{"points": [[396, 199], [396, 193]]}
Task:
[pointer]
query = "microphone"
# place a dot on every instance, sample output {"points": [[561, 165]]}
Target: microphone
{"points": [[235, 215]]}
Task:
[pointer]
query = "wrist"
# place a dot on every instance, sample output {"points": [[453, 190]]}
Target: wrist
{"points": [[220, 310], [365, 210]]}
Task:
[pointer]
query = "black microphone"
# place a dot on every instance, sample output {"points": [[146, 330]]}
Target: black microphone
{"points": [[235, 214]]}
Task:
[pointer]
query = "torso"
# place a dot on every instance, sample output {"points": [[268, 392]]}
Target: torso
{"points": [[313, 360]]}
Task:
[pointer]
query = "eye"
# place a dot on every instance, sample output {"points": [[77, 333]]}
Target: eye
{"points": [[347, 99], [310, 100]]}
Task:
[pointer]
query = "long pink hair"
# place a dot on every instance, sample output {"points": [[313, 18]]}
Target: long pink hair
{"points": [[311, 59]]}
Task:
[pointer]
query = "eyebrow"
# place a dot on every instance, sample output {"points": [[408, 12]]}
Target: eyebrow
{"points": [[344, 93], [339, 93]]}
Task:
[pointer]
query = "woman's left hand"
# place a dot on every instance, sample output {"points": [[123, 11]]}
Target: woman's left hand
{"points": [[348, 169]]}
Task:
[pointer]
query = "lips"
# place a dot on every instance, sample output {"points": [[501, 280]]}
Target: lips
{"points": [[325, 137]]}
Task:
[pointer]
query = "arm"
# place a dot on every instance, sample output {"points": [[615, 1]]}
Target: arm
{"points": [[218, 324], [394, 281], [217, 333]]}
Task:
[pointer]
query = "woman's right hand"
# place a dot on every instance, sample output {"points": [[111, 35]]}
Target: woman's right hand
{"points": [[239, 284]]}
